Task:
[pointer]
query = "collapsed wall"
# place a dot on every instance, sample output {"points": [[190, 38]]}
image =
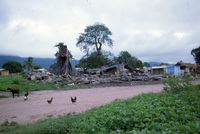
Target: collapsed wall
{"points": [[62, 65]]}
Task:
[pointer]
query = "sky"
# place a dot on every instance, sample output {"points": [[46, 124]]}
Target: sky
{"points": [[156, 30]]}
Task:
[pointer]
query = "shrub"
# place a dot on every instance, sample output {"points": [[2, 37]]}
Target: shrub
{"points": [[16, 81], [177, 84]]}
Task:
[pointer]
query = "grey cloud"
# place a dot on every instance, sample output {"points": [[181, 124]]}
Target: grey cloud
{"points": [[148, 30]]}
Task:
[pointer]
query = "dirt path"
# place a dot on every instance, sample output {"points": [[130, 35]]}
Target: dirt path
{"points": [[36, 107]]}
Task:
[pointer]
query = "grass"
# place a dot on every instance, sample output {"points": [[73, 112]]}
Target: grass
{"points": [[146, 113], [3, 96], [6, 81]]}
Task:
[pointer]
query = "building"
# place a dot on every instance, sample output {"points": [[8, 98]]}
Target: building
{"points": [[158, 70], [186, 68], [4, 72], [174, 70]]}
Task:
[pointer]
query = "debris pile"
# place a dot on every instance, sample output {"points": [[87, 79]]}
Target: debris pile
{"points": [[113, 73]]}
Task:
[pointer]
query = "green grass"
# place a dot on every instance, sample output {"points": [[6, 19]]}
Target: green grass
{"points": [[145, 113], [3, 96], [6, 81]]}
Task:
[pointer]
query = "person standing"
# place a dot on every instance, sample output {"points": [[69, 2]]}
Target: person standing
{"points": [[11, 75]]}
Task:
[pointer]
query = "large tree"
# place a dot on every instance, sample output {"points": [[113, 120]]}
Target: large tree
{"points": [[94, 37], [29, 63], [196, 54], [13, 66]]}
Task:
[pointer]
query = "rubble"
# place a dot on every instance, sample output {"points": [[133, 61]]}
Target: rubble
{"points": [[114, 73]]}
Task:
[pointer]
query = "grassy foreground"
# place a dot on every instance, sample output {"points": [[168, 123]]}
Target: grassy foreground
{"points": [[167, 112]]}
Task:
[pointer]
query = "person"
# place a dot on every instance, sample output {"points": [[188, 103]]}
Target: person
{"points": [[11, 75]]}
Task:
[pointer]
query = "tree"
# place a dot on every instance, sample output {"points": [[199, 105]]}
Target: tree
{"points": [[37, 67], [146, 64], [164, 64], [139, 64], [94, 37], [126, 57], [13, 66], [94, 60], [29, 63], [196, 54]]}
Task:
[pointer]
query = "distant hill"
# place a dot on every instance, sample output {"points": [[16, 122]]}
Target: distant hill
{"points": [[157, 63], [44, 62], [154, 63]]}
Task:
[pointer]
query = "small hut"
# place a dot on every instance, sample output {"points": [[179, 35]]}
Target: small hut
{"points": [[4, 72]]}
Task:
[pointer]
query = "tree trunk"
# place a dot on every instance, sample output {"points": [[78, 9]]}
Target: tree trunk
{"points": [[62, 64], [99, 48]]}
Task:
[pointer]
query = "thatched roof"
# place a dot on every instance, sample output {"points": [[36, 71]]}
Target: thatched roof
{"points": [[185, 65]]}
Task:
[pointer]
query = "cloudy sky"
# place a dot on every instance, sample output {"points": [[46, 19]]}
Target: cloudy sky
{"points": [[156, 30]]}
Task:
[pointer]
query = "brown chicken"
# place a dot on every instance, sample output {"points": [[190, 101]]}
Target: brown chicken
{"points": [[50, 101], [73, 99]]}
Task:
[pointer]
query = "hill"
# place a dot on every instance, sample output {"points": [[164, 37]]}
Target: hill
{"points": [[44, 62]]}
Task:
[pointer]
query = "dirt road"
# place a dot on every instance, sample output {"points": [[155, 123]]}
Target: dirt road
{"points": [[36, 107]]}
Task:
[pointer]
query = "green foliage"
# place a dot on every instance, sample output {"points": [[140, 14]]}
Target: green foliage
{"points": [[146, 64], [146, 112], [94, 37], [94, 60], [32, 85], [37, 67], [177, 84], [131, 61], [29, 63], [3, 96], [13, 66], [196, 54], [139, 64], [163, 64], [8, 126], [16, 81]]}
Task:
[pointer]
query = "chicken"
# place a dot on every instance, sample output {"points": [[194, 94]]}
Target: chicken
{"points": [[25, 98], [50, 101], [73, 99], [26, 94]]}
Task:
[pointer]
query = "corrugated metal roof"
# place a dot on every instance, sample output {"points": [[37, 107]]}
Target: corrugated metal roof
{"points": [[1, 69], [158, 67]]}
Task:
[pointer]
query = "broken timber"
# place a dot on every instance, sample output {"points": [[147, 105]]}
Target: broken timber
{"points": [[62, 65]]}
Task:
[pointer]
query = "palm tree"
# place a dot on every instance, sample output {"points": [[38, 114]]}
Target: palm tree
{"points": [[29, 63]]}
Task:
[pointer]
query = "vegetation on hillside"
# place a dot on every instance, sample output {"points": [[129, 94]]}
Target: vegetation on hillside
{"points": [[44, 62]]}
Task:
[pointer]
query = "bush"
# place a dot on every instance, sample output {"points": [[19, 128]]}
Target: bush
{"points": [[177, 84], [93, 61], [16, 81]]}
